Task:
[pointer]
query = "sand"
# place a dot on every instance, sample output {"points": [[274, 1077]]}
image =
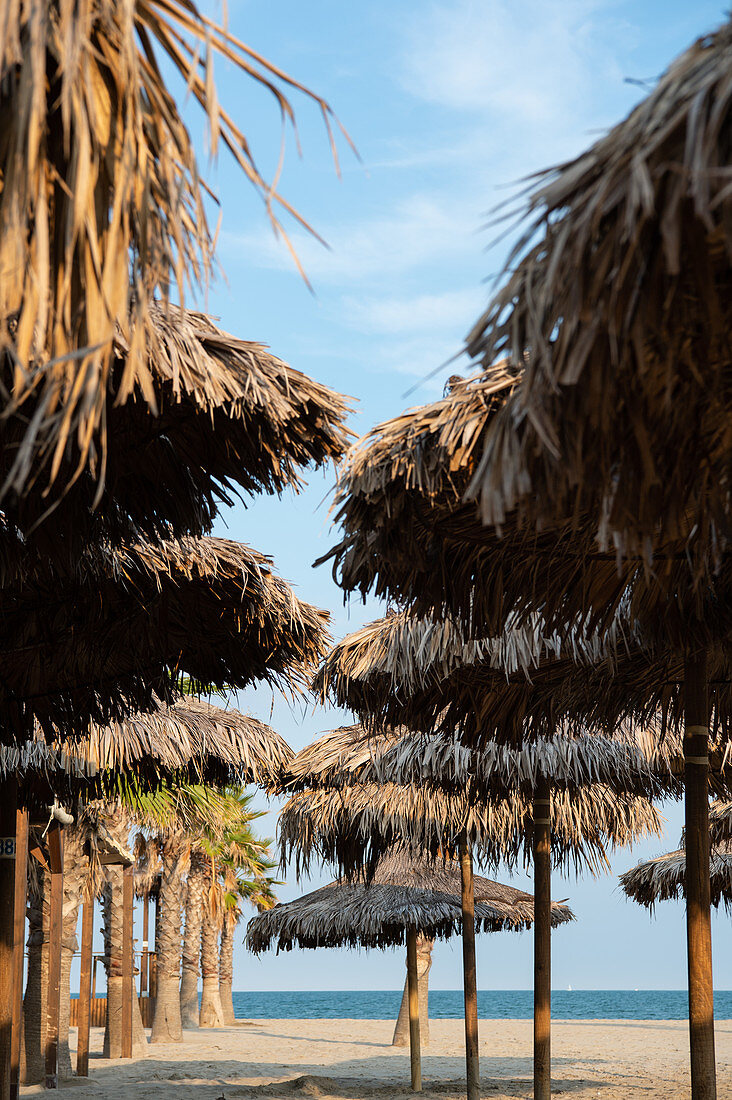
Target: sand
{"points": [[353, 1060]]}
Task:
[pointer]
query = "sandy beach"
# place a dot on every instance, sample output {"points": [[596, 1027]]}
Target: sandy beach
{"points": [[353, 1059]]}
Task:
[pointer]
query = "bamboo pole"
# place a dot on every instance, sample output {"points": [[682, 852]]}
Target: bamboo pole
{"points": [[8, 808], [85, 988], [128, 980], [19, 907], [542, 943], [470, 988], [415, 1054], [55, 929], [145, 957], [698, 918]]}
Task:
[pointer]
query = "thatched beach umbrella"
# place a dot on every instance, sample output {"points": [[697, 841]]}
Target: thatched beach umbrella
{"points": [[665, 876], [622, 411], [373, 805], [79, 653], [102, 210], [397, 654], [404, 896], [190, 741], [498, 772], [354, 826], [409, 532], [229, 417], [100, 644], [618, 298]]}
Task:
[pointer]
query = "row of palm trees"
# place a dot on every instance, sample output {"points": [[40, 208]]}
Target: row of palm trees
{"points": [[197, 853]]}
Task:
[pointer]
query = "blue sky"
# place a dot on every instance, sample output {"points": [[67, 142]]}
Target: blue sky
{"points": [[449, 103]]}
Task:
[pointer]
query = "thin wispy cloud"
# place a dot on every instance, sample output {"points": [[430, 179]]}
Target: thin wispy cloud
{"points": [[417, 231], [426, 313]]}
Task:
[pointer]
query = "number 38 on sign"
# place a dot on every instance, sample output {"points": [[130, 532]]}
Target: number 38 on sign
{"points": [[7, 847]]}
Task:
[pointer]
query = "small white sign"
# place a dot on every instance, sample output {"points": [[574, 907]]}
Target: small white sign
{"points": [[7, 847]]}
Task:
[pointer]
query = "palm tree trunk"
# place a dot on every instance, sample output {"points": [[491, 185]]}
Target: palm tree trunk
{"points": [[226, 968], [167, 1022], [192, 944], [212, 1014], [113, 903], [33, 1051], [112, 910], [401, 1030], [76, 877]]}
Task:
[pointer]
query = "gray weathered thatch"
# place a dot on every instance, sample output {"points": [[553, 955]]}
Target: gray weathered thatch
{"points": [[404, 894], [430, 675], [664, 877], [567, 762], [189, 741], [354, 826], [342, 816]]}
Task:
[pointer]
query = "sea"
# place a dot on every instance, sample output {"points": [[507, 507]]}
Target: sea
{"points": [[493, 1004]]}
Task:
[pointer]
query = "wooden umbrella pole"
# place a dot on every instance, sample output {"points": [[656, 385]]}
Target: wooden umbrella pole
{"points": [[542, 942], [144, 959], [698, 916], [8, 807], [470, 987], [55, 931], [128, 980], [85, 988], [415, 1053], [19, 907]]}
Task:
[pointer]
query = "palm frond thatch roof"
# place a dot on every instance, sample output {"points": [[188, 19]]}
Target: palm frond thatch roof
{"points": [[102, 205], [228, 417], [98, 645], [189, 741], [664, 878], [619, 290], [410, 533], [354, 826], [431, 676], [720, 822], [567, 762], [403, 894], [357, 754], [399, 499]]}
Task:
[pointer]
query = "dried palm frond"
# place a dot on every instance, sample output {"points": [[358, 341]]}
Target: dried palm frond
{"points": [[354, 826], [569, 763], [404, 894], [528, 682], [229, 417], [185, 743], [399, 496], [617, 307], [102, 206], [664, 877], [132, 620], [189, 739], [720, 823], [148, 865], [410, 535]]}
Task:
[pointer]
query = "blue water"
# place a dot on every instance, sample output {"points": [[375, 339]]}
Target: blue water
{"points": [[493, 1004]]}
